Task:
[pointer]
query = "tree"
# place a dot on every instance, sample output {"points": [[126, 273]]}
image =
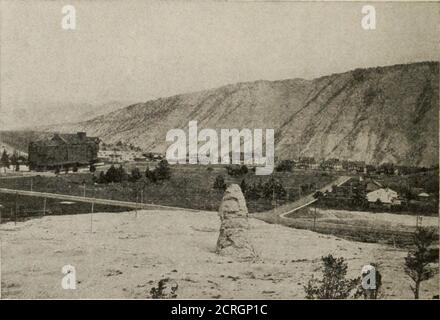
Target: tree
{"points": [[219, 183], [102, 177], [243, 186], [418, 260], [121, 174], [236, 170], [358, 198], [285, 165], [333, 284], [5, 159], [14, 161], [150, 175], [163, 171], [274, 188], [110, 175], [135, 174]]}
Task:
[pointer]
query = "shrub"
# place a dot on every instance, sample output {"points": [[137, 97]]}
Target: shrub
{"points": [[359, 75], [166, 289], [285, 166], [219, 183], [333, 284]]}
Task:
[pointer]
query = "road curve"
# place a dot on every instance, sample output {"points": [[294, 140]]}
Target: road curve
{"points": [[283, 211]]}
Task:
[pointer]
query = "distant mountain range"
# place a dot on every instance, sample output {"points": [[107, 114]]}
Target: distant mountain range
{"points": [[25, 117], [383, 114]]}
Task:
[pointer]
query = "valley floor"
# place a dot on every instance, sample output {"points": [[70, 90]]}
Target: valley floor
{"points": [[127, 254]]}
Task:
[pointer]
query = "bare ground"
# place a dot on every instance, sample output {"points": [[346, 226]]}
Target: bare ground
{"points": [[126, 255]]}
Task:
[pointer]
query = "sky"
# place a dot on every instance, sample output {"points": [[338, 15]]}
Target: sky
{"points": [[140, 50]]}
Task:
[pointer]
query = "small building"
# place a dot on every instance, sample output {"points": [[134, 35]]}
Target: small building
{"points": [[63, 150], [332, 165], [385, 196], [306, 163]]}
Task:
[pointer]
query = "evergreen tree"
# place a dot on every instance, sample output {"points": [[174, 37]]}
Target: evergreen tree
{"points": [[5, 159], [243, 186], [150, 175], [419, 259], [121, 174], [274, 189], [102, 177], [163, 171], [135, 174], [110, 175], [219, 183]]}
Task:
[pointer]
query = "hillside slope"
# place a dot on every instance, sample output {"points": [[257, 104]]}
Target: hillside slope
{"points": [[377, 115]]}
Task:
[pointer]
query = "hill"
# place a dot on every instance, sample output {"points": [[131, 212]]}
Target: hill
{"points": [[383, 114]]}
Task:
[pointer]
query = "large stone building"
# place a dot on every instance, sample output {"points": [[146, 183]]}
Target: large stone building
{"points": [[63, 150]]}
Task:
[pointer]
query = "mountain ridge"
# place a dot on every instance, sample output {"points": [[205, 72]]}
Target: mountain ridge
{"points": [[380, 114]]}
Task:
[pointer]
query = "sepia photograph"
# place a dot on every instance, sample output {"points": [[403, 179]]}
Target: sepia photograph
{"points": [[219, 150]]}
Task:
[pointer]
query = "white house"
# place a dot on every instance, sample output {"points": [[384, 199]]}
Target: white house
{"points": [[385, 195]]}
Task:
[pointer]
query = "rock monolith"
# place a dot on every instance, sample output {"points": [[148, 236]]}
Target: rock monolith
{"points": [[233, 239]]}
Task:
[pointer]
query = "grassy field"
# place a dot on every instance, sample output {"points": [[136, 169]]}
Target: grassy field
{"points": [[190, 186], [386, 228]]}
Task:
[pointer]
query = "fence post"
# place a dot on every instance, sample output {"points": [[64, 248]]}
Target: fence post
{"points": [[314, 219], [44, 206], [16, 208]]}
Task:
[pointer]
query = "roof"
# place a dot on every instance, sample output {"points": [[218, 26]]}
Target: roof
{"points": [[423, 194], [386, 190], [66, 138], [372, 181]]}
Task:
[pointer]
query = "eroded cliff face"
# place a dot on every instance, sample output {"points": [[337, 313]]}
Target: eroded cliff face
{"points": [[377, 115]]}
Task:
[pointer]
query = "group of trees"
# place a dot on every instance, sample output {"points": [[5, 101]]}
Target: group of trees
{"points": [[271, 189], [160, 173], [285, 166], [335, 285], [7, 160], [119, 174], [236, 170]]}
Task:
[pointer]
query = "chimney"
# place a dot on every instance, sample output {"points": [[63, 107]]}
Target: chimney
{"points": [[81, 135]]}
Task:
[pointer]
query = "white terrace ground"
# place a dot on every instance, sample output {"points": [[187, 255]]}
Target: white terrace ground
{"points": [[127, 254]]}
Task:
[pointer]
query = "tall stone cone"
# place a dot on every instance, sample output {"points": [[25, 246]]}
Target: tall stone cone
{"points": [[233, 239]]}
